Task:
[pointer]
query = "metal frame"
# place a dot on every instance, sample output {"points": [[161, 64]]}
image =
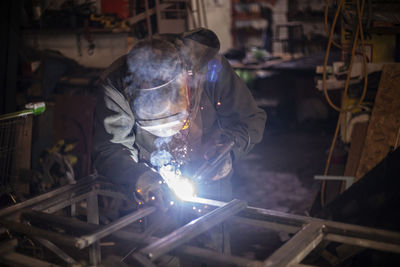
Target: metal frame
{"points": [[309, 232]]}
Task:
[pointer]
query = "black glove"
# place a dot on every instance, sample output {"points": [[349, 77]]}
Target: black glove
{"points": [[222, 169], [204, 163], [151, 189]]}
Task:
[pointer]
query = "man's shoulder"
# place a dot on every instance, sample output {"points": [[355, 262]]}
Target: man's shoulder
{"points": [[204, 37], [116, 70]]}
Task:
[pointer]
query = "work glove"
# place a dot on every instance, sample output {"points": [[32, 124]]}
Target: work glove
{"points": [[150, 189], [222, 169], [209, 151]]}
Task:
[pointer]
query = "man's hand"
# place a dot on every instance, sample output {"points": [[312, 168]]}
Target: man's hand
{"points": [[150, 189], [216, 159]]}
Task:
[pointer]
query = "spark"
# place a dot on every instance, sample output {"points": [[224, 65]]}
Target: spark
{"points": [[181, 186], [219, 103], [153, 198], [171, 203]]}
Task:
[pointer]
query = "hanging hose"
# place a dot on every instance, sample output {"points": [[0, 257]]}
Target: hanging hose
{"points": [[341, 110]]}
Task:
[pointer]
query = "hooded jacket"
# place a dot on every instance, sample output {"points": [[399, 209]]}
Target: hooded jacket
{"points": [[121, 150]]}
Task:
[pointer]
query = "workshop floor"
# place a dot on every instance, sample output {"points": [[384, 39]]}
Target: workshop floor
{"points": [[278, 175]]}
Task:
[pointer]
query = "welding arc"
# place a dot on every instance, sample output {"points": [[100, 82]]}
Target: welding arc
{"points": [[359, 30]]}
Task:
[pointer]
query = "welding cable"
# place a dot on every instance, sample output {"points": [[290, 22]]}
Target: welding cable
{"points": [[359, 30], [328, 2], [323, 185]]}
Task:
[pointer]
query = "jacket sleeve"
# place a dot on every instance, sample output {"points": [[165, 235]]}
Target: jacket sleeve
{"points": [[113, 152], [238, 115]]}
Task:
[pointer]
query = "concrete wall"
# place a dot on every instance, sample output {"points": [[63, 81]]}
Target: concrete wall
{"points": [[219, 20], [111, 46], [279, 16], [218, 14], [108, 46], [219, 17]]}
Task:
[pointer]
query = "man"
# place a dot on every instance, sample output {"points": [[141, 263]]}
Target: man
{"points": [[173, 100]]}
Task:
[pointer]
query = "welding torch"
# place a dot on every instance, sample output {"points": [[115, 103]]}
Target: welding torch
{"points": [[209, 166], [185, 188]]}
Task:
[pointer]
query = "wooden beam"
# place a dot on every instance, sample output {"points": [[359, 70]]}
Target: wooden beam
{"points": [[385, 121]]}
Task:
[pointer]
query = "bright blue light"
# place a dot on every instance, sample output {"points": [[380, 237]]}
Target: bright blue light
{"points": [[214, 66]]}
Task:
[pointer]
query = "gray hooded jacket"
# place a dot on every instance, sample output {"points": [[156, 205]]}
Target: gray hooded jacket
{"points": [[226, 107]]}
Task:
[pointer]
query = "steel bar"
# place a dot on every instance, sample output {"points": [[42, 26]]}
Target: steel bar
{"points": [[209, 166], [37, 232], [142, 260], [363, 243], [65, 199], [43, 197], [302, 265], [73, 209], [151, 11], [363, 232], [267, 225], [56, 250], [203, 7], [115, 226], [297, 248], [16, 114], [331, 231], [149, 28], [62, 203], [262, 214], [290, 222], [193, 229], [18, 259], [121, 235], [112, 194], [92, 212]]}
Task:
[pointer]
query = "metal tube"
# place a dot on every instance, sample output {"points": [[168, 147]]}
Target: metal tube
{"points": [[267, 225], [56, 250], [297, 248], [37, 232], [362, 232], [115, 226], [16, 115], [18, 259], [208, 166], [193, 229], [61, 203], [203, 7], [262, 214], [363, 243], [293, 221], [92, 216], [34, 201], [121, 235], [142, 260], [112, 194], [146, 6]]}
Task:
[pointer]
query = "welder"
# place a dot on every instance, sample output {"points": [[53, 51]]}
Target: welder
{"points": [[173, 99]]}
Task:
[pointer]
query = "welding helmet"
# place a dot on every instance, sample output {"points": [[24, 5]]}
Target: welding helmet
{"points": [[163, 110], [158, 87]]}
